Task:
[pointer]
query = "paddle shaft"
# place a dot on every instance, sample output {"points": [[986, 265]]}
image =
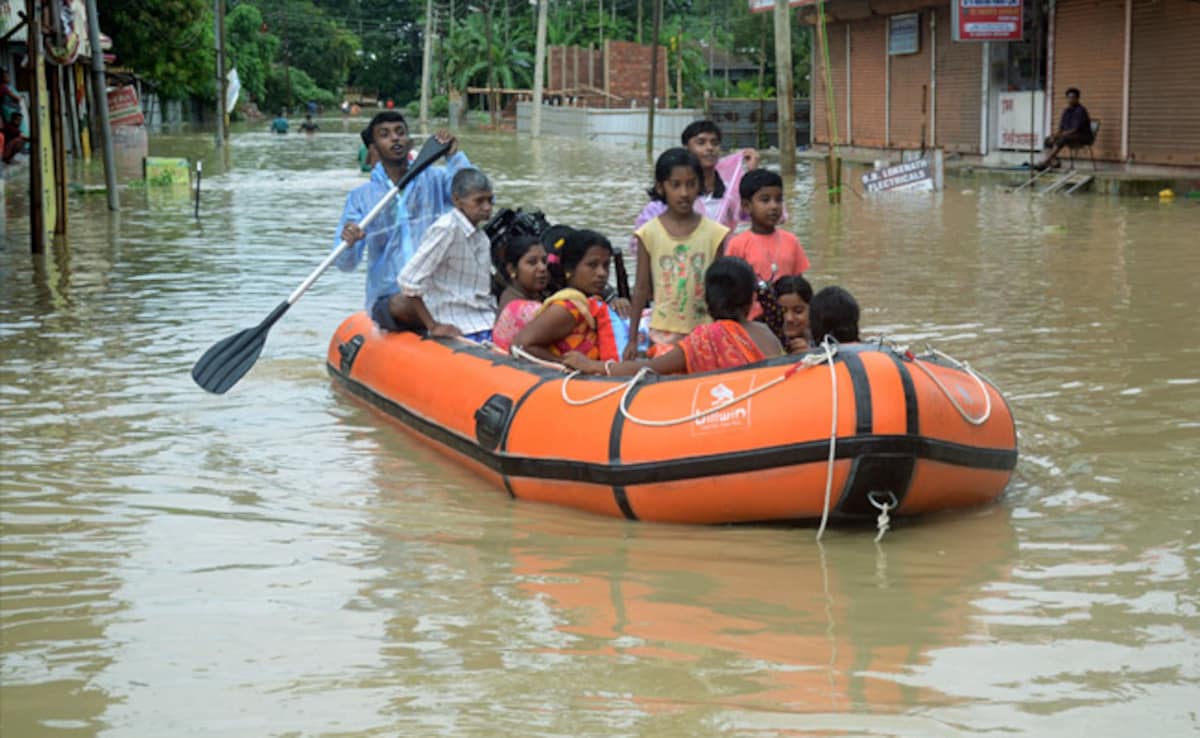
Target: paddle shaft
{"points": [[228, 360], [344, 244]]}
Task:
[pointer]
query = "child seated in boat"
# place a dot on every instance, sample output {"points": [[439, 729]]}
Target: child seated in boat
{"points": [[730, 341], [833, 312], [674, 250], [575, 319], [526, 274], [792, 297], [771, 251], [444, 288]]}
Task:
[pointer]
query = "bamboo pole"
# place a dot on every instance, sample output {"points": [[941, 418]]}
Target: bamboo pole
{"points": [[653, 78], [833, 166], [37, 189], [58, 147]]}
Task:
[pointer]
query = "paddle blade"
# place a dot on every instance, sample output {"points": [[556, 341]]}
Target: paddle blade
{"points": [[227, 361]]}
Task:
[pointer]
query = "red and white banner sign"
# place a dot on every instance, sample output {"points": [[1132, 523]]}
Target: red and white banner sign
{"points": [[986, 20], [124, 108]]}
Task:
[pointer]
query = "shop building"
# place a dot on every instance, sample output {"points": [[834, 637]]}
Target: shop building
{"points": [[900, 79]]}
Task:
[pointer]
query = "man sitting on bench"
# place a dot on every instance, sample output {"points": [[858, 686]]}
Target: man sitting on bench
{"points": [[1074, 129]]}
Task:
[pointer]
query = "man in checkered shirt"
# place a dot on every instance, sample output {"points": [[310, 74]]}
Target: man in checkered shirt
{"points": [[445, 289]]}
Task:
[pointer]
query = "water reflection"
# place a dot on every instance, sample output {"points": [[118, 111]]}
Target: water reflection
{"points": [[282, 561]]}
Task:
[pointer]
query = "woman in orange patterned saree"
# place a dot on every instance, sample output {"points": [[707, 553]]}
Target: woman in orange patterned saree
{"points": [[574, 320]]}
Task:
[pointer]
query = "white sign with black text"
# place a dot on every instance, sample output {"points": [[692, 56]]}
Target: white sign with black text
{"points": [[913, 176]]}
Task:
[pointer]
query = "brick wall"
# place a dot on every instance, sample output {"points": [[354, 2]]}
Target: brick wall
{"points": [[629, 71], [867, 83], [837, 70], [569, 68], [910, 82], [1089, 38], [959, 98], [1164, 107]]}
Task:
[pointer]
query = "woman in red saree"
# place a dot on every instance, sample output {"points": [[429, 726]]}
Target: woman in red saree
{"points": [[730, 341], [575, 320]]}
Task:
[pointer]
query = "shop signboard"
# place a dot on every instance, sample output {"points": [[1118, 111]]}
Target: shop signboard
{"points": [[1017, 112], [914, 176], [904, 34], [986, 20]]}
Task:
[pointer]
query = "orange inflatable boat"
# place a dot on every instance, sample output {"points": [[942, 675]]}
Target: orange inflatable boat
{"points": [[782, 440]]}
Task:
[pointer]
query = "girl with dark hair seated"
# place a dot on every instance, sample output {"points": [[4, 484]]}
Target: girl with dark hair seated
{"points": [[792, 295], [575, 319], [730, 341], [526, 275], [834, 312]]}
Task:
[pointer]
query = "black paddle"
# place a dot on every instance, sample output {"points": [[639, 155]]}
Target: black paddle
{"points": [[227, 361]]}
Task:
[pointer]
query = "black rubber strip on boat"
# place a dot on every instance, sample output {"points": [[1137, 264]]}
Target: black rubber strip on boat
{"points": [[912, 412], [695, 467], [503, 447], [614, 457], [863, 414]]}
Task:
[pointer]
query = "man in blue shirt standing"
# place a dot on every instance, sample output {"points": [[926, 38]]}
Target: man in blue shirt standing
{"points": [[392, 238], [1074, 129]]}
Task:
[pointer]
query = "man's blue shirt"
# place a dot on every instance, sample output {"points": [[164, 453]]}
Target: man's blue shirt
{"points": [[393, 237]]}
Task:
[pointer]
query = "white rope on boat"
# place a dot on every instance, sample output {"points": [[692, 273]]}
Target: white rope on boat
{"points": [[883, 522], [627, 387], [805, 363], [594, 398], [987, 396], [830, 350], [521, 353]]}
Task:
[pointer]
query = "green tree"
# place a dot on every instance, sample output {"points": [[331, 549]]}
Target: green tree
{"points": [[170, 42], [251, 50]]}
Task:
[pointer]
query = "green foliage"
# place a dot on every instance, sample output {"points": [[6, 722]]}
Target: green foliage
{"points": [[464, 56], [749, 88], [304, 88], [170, 42], [251, 50], [376, 45]]}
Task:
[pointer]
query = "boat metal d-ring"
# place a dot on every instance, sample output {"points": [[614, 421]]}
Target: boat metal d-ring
{"points": [[882, 500]]}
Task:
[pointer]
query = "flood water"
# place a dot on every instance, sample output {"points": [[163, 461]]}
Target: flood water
{"points": [[281, 561]]}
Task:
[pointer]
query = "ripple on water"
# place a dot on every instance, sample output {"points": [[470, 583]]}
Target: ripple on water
{"points": [[295, 558]]}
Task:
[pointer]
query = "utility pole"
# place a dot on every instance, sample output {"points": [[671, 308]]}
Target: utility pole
{"points": [[287, 58], [426, 64], [539, 68], [785, 107], [653, 78], [219, 33], [224, 86], [100, 101], [492, 97]]}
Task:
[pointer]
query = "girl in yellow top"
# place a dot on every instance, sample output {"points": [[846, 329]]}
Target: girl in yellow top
{"points": [[674, 250]]}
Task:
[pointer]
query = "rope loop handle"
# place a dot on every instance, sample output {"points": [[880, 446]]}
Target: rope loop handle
{"points": [[965, 367], [882, 501]]}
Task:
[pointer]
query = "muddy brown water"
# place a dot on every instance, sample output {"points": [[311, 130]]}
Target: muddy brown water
{"points": [[283, 561]]}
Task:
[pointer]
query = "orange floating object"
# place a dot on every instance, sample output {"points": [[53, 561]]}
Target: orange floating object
{"points": [[745, 445]]}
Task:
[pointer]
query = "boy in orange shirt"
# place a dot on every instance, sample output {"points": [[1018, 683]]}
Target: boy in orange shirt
{"points": [[773, 253]]}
